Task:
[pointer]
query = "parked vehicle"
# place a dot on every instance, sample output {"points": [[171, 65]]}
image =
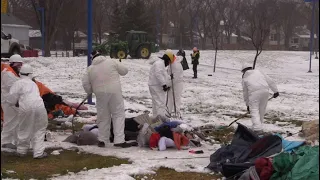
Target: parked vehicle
{"points": [[9, 45], [136, 45]]}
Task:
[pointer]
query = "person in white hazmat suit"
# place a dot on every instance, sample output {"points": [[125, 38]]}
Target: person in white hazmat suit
{"points": [[174, 100], [158, 84], [9, 76], [102, 79], [33, 119], [256, 93]]}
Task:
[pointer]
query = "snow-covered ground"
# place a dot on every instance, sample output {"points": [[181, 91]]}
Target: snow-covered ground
{"points": [[206, 100]]}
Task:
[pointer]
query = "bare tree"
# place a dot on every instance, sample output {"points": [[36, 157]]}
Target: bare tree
{"points": [[179, 7], [259, 16], [198, 11], [289, 18], [230, 12], [214, 27], [72, 21], [100, 18], [52, 15]]}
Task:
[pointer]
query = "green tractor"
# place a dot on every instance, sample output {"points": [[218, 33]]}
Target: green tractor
{"points": [[136, 45]]}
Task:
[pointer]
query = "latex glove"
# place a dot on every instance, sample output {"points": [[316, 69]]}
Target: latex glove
{"points": [[275, 95]]}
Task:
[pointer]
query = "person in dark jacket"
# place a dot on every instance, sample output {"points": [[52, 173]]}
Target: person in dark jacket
{"points": [[184, 61], [195, 61]]}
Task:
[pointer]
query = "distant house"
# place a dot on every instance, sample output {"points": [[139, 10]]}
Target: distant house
{"points": [[16, 27], [299, 41], [35, 38]]}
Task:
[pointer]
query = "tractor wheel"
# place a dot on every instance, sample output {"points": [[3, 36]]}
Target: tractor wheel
{"points": [[121, 54], [144, 52]]}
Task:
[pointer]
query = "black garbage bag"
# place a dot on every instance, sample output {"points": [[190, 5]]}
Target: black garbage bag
{"points": [[244, 149]]}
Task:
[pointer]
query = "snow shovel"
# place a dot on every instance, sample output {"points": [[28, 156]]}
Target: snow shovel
{"points": [[244, 115], [76, 113]]}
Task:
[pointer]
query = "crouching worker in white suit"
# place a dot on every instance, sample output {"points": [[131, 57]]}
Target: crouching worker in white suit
{"points": [[9, 76], [256, 94], [175, 92], [158, 84], [33, 117], [102, 79]]}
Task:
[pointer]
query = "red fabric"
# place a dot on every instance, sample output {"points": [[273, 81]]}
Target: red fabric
{"points": [[154, 139], [264, 168], [26, 53], [75, 105], [180, 140], [35, 53]]}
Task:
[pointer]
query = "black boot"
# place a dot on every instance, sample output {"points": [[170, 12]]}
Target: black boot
{"points": [[101, 144], [123, 145]]}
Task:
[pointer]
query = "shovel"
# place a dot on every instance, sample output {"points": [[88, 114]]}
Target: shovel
{"points": [[243, 116], [76, 113]]}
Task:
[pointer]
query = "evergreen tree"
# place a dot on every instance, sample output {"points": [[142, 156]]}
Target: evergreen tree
{"points": [[134, 16]]}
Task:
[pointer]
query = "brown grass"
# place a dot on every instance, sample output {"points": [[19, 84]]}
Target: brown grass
{"points": [[67, 161], [169, 174]]}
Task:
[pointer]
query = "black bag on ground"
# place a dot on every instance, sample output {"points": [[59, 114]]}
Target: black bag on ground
{"points": [[131, 130], [245, 148]]}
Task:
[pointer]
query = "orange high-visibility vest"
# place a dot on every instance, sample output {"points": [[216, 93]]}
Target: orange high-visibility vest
{"points": [[8, 68], [43, 89]]}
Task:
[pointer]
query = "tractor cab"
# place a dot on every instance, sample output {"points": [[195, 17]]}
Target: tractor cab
{"points": [[136, 44]]}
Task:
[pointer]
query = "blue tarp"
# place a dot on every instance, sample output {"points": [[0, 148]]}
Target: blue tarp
{"points": [[172, 124], [288, 146]]}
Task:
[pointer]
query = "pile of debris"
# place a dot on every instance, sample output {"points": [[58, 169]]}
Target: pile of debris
{"points": [[310, 131]]}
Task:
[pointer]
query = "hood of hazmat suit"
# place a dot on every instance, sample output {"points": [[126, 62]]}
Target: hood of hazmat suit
{"points": [[158, 75]]}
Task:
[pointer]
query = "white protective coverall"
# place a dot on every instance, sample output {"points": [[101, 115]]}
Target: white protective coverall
{"points": [[10, 124], [158, 77], [32, 115], [102, 79], [177, 86], [256, 94]]}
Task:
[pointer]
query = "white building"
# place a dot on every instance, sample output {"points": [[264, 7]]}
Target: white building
{"points": [[16, 27]]}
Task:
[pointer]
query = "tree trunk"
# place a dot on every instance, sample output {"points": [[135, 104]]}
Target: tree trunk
{"points": [[286, 41], [215, 56], [73, 40], [255, 59], [191, 34], [47, 45], [229, 38], [47, 50]]}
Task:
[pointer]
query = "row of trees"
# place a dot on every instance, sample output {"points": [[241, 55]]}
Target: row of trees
{"points": [[190, 18]]}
